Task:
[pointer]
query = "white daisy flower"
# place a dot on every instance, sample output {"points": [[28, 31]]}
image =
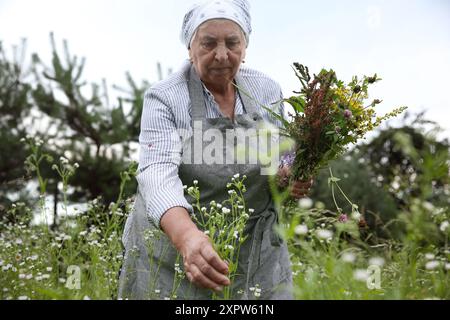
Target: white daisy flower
{"points": [[431, 265], [360, 275], [356, 215], [305, 203], [444, 226], [324, 234], [377, 261], [301, 229], [429, 256], [348, 257]]}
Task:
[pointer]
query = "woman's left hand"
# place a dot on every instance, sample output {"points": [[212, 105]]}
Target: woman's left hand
{"points": [[298, 188]]}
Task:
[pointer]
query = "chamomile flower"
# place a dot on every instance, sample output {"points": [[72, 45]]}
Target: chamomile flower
{"points": [[348, 257], [301, 229], [376, 261], [324, 234], [432, 265]]}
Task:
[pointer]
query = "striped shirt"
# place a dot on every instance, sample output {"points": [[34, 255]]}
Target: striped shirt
{"points": [[166, 109]]}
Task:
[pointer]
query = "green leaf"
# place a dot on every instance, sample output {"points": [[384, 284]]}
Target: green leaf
{"points": [[297, 102], [277, 116]]}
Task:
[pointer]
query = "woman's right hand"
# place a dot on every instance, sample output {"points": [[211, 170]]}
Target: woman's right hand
{"points": [[202, 264]]}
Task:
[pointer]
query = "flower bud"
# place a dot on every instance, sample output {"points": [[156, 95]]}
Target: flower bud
{"points": [[372, 79], [347, 114], [357, 89]]}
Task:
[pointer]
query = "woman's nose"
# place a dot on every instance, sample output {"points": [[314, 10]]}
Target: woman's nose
{"points": [[222, 53]]}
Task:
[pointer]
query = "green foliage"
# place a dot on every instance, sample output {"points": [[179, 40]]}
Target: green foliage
{"points": [[14, 108], [38, 263], [412, 152], [87, 128], [375, 204]]}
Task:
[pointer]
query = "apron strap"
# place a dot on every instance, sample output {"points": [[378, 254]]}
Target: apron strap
{"points": [[198, 104]]}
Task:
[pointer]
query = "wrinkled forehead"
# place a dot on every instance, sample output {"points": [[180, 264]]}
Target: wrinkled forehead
{"points": [[219, 28]]}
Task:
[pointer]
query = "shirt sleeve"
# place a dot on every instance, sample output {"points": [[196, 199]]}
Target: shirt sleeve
{"points": [[159, 158]]}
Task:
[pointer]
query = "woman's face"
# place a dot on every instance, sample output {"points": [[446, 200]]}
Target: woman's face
{"points": [[217, 51]]}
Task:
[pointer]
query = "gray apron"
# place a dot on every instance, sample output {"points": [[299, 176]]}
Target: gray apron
{"points": [[151, 266]]}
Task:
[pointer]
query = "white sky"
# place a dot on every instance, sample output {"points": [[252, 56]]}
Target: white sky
{"points": [[407, 42]]}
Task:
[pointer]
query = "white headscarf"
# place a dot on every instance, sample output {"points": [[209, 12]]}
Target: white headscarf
{"points": [[234, 10]]}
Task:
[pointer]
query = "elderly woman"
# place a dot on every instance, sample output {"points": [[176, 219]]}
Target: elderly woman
{"points": [[213, 91]]}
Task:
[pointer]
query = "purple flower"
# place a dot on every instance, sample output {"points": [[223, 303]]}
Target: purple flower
{"points": [[347, 114], [343, 218], [288, 159]]}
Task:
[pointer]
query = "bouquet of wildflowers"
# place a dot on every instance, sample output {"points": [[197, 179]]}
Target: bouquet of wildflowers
{"points": [[328, 116]]}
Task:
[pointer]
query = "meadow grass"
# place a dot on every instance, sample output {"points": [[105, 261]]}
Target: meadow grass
{"points": [[333, 256]]}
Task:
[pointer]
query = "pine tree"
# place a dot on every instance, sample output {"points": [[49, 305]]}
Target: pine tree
{"points": [[74, 119], [15, 107]]}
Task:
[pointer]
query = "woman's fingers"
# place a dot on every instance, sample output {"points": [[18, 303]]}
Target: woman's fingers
{"points": [[213, 259], [211, 272], [203, 265], [197, 277], [283, 176]]}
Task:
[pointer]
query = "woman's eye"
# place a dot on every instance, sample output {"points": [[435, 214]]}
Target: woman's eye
{"points": [[208, 45], [232, 44]]}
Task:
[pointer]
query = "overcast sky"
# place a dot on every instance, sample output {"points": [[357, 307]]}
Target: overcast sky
{"points": [[407, 42]]}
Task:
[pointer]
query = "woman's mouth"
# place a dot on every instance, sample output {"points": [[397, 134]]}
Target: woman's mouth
{"points": [[221, 70]]}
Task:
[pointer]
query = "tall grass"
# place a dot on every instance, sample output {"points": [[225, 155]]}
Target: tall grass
{"points": [[334, 256]]}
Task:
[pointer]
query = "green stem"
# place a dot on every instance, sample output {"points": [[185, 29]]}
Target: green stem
{"points": [[332, 192], [337, 185]]}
